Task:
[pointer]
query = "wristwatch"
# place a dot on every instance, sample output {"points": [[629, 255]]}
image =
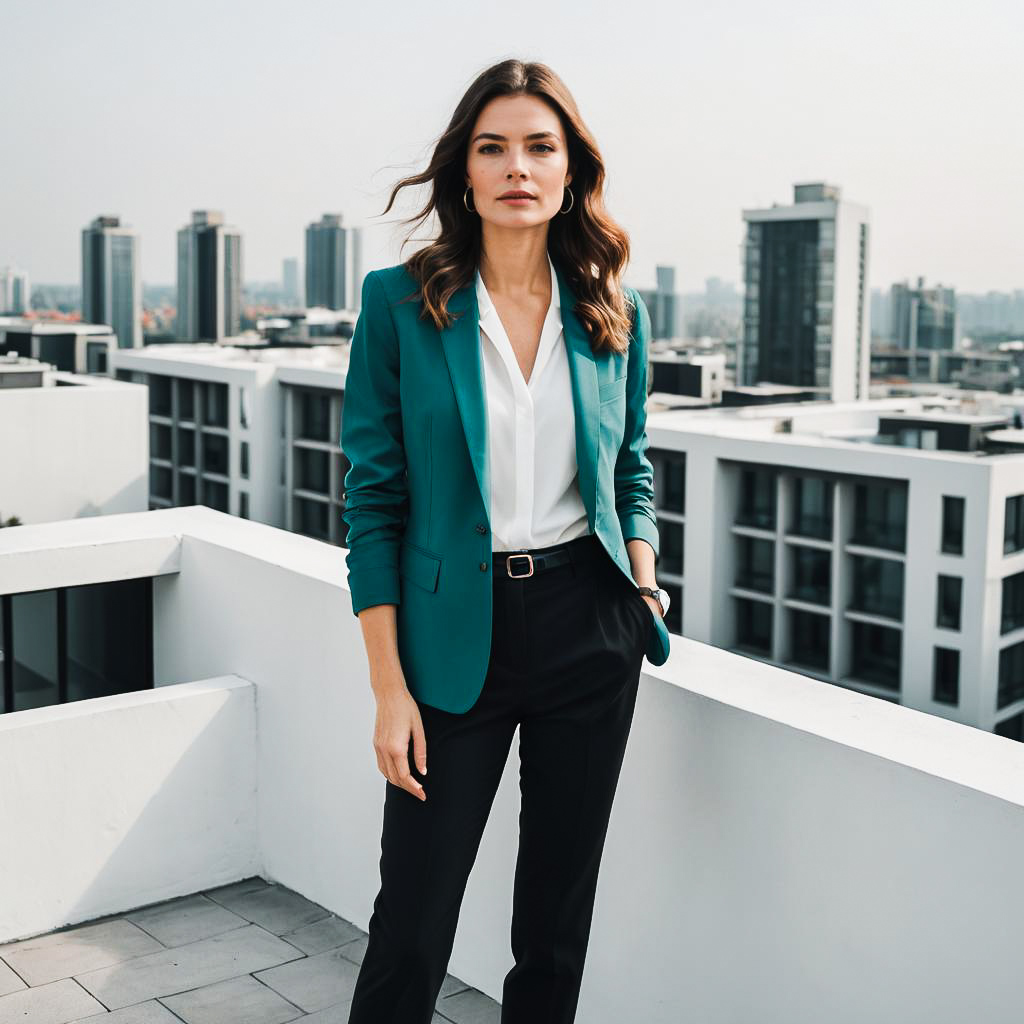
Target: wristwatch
{"points": [[662, 597]]}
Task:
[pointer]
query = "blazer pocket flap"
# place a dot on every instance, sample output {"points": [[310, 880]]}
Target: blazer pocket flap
{"points": [[612, 388], [418, 566]]}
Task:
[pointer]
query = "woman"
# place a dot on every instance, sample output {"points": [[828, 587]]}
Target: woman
{"points": [[500, 518]]}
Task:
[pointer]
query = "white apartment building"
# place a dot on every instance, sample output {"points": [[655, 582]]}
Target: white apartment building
{"points": [[876, 545], [253, 431], [75, 445]]}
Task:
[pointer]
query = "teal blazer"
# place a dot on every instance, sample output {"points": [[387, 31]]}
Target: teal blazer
{"points": [[413, 428]]}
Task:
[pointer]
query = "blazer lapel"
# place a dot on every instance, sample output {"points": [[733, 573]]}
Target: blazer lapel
{"points": [[461, 345]]}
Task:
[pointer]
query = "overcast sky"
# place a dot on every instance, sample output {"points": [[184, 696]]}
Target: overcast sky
{"points": [[278, 112]]}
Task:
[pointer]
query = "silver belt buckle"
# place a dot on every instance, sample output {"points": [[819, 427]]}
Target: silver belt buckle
{"points": [[521, 575]]}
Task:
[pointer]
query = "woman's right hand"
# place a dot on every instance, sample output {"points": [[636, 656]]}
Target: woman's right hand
{"points": [[398, 717]]}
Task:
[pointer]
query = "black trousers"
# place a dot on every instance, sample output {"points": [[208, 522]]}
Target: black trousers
{"points": [[566, 653]]}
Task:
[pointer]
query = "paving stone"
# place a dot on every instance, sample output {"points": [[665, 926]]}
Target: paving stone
{"points": [[187, 919], [327, 933], [86, 947], [451, 985], [55, 1003], [470, 1007], [9, 981], [238, 1001], [149, 1012], [273, 907], [355, 950], [336, 1014], [237, 888], [315, 982], [169, 971]]}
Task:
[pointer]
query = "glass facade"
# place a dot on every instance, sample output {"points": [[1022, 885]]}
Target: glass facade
{"points": [[782, 313]]}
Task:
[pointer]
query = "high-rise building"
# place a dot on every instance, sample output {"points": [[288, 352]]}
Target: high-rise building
{"points": [[333, 264], [290, 282], [14, 291], [664, 305], [111, 287], [209, 278], [805, 319], [922, 317]]}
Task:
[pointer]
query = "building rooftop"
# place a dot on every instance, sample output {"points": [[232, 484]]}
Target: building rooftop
{"points": [[245, 953]]}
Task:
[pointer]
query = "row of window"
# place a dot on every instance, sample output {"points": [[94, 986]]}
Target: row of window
{"points": [[874, 652]]}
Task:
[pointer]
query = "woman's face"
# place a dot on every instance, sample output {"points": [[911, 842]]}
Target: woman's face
{"points": [[503, 156]]}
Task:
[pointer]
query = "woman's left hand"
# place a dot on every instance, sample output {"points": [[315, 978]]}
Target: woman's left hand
{"points": [[654, 604]]}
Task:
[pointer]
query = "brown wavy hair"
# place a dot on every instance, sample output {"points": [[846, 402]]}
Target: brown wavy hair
{"points": [[586, 244]]}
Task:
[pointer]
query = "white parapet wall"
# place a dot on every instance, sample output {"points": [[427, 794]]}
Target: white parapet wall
{"points": [[780, 849], [123, 800]]}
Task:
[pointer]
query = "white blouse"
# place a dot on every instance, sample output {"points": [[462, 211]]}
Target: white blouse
{"points": [[531, 434]]}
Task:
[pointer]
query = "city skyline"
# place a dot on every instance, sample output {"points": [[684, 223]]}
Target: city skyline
{"points": [[910, 112]]}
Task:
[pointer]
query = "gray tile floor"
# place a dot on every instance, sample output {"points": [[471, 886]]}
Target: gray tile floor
{"points": [[247, 953]]}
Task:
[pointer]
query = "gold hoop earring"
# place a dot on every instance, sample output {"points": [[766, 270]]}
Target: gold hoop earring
{"points": [[464, 203], [572, 199]]}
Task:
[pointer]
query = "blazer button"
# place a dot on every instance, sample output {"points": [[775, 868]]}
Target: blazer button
{"points": [[483, 567], [480, 528]]}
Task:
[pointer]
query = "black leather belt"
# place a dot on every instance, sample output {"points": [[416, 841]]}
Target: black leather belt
{"points": [[521, 564]]}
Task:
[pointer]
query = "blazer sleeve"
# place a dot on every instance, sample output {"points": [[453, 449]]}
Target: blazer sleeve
{"points": [[376, 488], [634, 475]]}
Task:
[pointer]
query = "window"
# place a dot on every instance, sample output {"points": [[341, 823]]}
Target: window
{"points": [[1011, 675], [755, 564], [952, 525], [243, 459], [946, 676], [947, 614], [757, 498], [876, 654], [73, 643], [809, 639], [1012, 728], [670, 546], [811, 574], [878, 586], [159, 395], [754, 626], [880, 515], [812, 507], [215, 453], [1013, 603], [1013, 526]]}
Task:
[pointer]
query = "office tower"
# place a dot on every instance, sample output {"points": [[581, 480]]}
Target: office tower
{"points": [[805, 320], [111, 287], [14, 291], [333, 264], [290, 282], [209, 278], [923, 317]]}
